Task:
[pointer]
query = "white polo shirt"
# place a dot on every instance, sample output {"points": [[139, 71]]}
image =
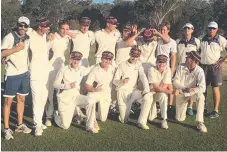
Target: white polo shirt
{"points": [[68, 75], [184, 46], [106, 41], [133, 72], [17, 63], [83, 41], [122, 51], [102, 77], [147, 51], [211, 49], [154, 76], [186, 79], [166, 49], [39, 66], [59, 45]]}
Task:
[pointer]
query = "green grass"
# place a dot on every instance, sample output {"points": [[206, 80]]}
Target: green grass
{"points": [[116, 136]]}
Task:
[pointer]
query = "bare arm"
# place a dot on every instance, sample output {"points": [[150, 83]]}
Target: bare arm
{"points": [[7, 52]]}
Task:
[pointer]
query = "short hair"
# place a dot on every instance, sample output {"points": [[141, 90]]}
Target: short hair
{"points": [[167, 24], [63, 22]]}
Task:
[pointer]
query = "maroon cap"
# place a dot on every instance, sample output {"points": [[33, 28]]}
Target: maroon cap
{"points": [[148, 33], [43, 22], [194, 54], [76, 55], [134, 52], [85, 21], [162, 58], [111, 20], [107, 55]]}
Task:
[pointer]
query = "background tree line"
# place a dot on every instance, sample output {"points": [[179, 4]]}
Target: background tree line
{"points": [[145, 13]]}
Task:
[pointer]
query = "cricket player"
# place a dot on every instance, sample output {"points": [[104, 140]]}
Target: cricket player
{"points": [[211, 48], [83, 39], [39, 71], [107, 38], [68, 82], [126, 77], [186, 44], [14, 51], [159, 78], [99, 84], [190, 83], [59, 45]]}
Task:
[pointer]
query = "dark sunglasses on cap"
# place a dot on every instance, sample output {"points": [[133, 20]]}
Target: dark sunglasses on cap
{"points": [[211, 28], [187, 28], [77, 59], [23, 25]]}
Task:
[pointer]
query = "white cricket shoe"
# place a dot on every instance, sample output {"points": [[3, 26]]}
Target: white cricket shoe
{"points": [[202, 128], [143, 126], [48, 123], [164, 124], [8, 133], [38, 131]]}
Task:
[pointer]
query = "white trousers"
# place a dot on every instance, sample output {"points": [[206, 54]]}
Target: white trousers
{"points": [[39, 89], [66, 108], [103, 101], [162, 98], [181, 106], [126, 99]]}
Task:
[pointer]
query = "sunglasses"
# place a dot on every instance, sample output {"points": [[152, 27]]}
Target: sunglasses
{"points": [[76, 59], [187, 28], [212, 28], [107, 59], [23, 25], [160, 62]]}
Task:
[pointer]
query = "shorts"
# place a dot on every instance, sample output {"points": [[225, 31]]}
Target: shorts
{"points": [[213, 76], [17, 84]]}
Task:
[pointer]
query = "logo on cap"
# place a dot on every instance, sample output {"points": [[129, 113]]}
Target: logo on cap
{"points": [[111, 20], [107, 55]]}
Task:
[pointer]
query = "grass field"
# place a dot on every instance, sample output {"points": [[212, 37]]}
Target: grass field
{"points": [[116, 136]]}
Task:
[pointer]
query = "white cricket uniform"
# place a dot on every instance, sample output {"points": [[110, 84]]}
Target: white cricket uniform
{"points": [[39, 71], [82, 43], [186, 79], [184, 46], [166, 48], [122, 51], [106, 42], [155, 77], [211, 49], [128, 93], [59, 45], [70, 98], [102, 78]]}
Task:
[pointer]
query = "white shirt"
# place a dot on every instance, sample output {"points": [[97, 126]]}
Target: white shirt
{"points": [[166, 48], [122, 51], [106, 41], [147, 51], [186, 79], [102, 78], [83, 41], [59, 45], [211, 49], [68, 75], [154, 76], [133, 72], [39, 66], [184, 46], [17, 63]]}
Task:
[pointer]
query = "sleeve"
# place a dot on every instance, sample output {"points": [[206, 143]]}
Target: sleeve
{"points": [[173, 46], [143, 79], [92, 38], [223, 44], [117, 77], [167, 77], [58, 81], [7, 42], [91, 78], [201, 84], [197, 41], [97, 36], [177, 79]]}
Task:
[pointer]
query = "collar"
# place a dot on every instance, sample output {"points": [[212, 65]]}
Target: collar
{"points": [[214, 39], [71, 69], [186, 68]]}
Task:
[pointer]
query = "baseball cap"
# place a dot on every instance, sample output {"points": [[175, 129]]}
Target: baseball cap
{"points": [[194, 54], [134, 52], [162, 58], [44, 22], [24, 19], [112, 20], [147, 33], [127, 26], [189, 25], [85, 21], [107, 55], [213, 24], [76, 55]]}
